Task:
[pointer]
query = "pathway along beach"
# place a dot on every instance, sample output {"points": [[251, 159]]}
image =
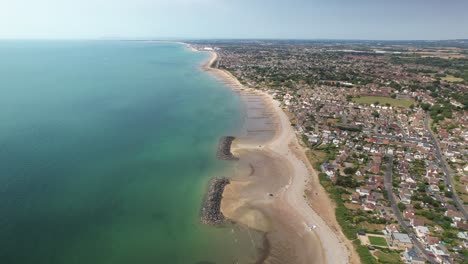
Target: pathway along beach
{"points": [[266, 192]]}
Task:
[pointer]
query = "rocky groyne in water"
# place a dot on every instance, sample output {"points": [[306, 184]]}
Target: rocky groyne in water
{"points": [[224, 148], [211, 211]]}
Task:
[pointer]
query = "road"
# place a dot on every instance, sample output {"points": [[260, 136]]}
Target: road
{"points": [[389, 188], [448, 175]]}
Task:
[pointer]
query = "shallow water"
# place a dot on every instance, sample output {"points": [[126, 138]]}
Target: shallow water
{"points": [[105, 152]]}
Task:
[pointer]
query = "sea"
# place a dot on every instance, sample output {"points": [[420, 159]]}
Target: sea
{"points": [[106, 151]]}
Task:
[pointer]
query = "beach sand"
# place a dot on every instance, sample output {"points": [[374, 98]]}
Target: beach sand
{"points": [[267, 190]]}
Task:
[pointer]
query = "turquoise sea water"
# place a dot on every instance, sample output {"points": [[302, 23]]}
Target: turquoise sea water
{"points": [[105, 152]]}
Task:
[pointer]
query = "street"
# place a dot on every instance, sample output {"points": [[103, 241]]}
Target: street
{"points": [[396, 211], [448, 177]]}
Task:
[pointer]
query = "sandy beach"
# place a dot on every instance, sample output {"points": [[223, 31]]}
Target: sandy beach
{"points": [[267, 190]]}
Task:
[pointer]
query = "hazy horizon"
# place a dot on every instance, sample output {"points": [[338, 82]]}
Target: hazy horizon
{"points": [[228, 19], [181, 40]]}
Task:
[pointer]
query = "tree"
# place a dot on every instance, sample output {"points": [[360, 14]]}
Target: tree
{"points": [[347, 181], [350, 170], [401, 206], [425, 106]]}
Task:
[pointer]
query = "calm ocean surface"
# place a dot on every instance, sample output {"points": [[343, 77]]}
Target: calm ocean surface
{"points": [[105, 152]]}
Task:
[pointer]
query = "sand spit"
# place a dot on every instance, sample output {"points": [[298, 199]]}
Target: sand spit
{"points": [[266, 192]]}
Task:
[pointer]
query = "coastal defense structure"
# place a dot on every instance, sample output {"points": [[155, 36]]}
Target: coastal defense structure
{"points": [[224, 149], [211, 211]]}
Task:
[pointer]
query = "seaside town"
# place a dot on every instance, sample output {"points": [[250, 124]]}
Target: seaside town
{"points": [[386, 126]]}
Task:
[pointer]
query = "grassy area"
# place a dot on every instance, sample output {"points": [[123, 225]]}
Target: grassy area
{"points": [[352, 206], [451, 78], [316, 156], [388, 257], [383, 101], [372, 227], [364, 253], [378, 241]]}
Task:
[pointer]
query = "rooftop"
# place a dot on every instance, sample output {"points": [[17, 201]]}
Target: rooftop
{"points": [[404, 238]]}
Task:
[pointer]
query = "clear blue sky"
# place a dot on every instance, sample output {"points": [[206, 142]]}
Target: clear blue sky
{"points": [[334, 19]]}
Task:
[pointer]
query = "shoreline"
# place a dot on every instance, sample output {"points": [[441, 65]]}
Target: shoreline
{"points": [[285, 214]]}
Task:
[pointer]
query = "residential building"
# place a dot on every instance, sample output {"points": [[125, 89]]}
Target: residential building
{"points": [[401, 241]]}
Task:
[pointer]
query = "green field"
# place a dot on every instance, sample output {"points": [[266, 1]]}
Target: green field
{"points": [[383, 101], [378, 241], [388, 257], [451, 78]]}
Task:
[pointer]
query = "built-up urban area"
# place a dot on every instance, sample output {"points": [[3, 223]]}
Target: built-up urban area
{"points": [[386, 127]]}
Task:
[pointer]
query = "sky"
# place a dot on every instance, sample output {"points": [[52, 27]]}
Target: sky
{"points": [[234, 19]]}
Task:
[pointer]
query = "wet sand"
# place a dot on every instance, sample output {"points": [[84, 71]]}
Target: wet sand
{"points": [[267, 187]]}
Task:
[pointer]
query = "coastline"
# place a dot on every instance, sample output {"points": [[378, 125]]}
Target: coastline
{"points": [[267, 192]]}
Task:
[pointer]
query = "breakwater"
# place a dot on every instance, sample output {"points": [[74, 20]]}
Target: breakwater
{"points": [[224, 148], [211, 211]]}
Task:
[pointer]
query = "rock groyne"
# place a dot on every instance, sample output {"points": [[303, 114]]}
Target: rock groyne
{"points": [[224, 149], [211, 211]]}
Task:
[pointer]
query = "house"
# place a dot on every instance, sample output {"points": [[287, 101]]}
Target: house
{"points": [[363, 190], [392, 228], [438, 229], [416, 222], [404, 198], [401, 241], [461, 225], [409, 213], [368, 206], [463, 235], [440, 252], [422, 231], [430, 240], [383, 213], [411, 256], [409, 185], [439, 198], [355, 198], [433, 188], [376, 181], [371, 199], [328, 169], [374, 168], [455, 215]]}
